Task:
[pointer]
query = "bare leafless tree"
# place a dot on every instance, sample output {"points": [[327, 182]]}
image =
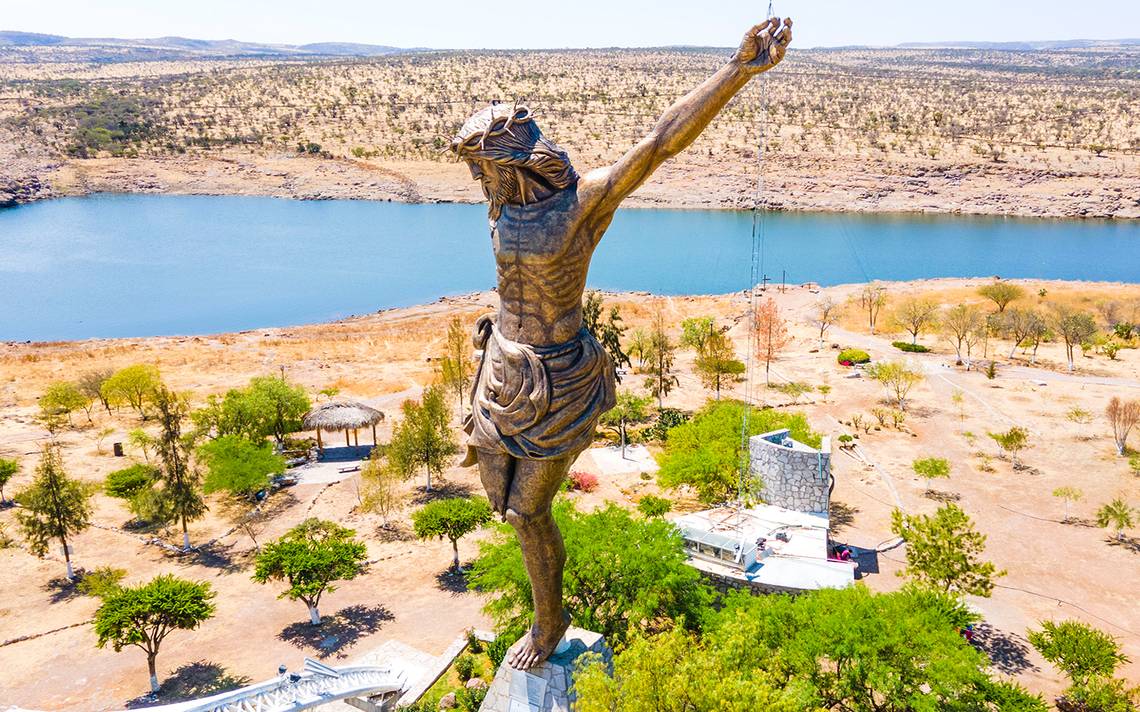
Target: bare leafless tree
{"points": [[1123, 416]]}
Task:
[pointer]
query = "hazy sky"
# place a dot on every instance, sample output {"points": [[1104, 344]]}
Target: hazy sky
{"points": [[573, 23]]}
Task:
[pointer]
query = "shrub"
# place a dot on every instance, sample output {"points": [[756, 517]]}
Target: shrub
{"points": [[497, 648], [667, 419], [850, 357], [653, 506], [583, 481], [474, 645], [909, 347], [465, 667], [129, 481]]}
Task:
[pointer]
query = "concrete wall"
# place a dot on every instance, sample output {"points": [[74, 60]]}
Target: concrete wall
{"points": [[796, 477]]}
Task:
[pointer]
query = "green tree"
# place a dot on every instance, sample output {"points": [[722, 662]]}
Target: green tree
{"points": [[142, 441], [423, 438], [1074, 327], [1001, 293], [930, 468], [1069, 495], [181, 494], [281, 403], [630, 408], [268, 406], [897, 377], [235, 465], [310, 557], [695, 332], [64, 398], [1116, 514], [131, 386], [846, 649], [660, 355], [654, 507], [456, 368], [717, 362], [379, 486], [8, 470], [705, 454], [1077, 649], [1012, 442], [608, 332], [53, 506], [639, 346], [943, 551], [622, 573], [451, 518], [1102, 694], [143, 616]]}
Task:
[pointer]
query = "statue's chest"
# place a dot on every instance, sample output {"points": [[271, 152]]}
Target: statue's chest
{"points": [[534, 236]]}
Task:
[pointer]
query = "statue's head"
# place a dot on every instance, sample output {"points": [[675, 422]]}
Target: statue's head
{"points": [[510, 157]]}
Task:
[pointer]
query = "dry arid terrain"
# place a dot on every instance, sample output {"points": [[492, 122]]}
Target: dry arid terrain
{"points": [[1055, 570], [1045, 133]]}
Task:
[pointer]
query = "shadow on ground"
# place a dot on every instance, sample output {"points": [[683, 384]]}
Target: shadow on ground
{"points": [[939, 496], [1129, 543], [62, 589], [393, 531], [217, 556], [442, 490], [197, 679], [1008, 652], [338, 631], [841, 515], [453, 581]]}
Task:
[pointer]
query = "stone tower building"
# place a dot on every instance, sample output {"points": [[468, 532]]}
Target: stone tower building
{"points": [[794, 475]]}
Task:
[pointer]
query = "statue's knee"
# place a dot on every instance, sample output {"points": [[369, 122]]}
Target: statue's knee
{"points": [[528, 520]]}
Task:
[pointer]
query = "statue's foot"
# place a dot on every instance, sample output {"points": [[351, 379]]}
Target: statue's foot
{"points": [[537, 645]]}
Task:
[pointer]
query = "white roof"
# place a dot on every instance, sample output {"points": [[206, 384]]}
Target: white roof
{"points": [[799, 563]]}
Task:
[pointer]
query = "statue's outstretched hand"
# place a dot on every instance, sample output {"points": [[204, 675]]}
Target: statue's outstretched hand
{"points": [[764, 45]]}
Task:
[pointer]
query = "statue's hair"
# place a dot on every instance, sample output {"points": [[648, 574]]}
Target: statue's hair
{"points": [[508, 136]]}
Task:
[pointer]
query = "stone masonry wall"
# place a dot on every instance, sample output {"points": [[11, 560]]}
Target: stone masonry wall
{"points": [[797, 478]]}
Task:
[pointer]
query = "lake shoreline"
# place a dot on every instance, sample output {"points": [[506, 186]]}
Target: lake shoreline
{"points": [[488, 299], [868, 186]]}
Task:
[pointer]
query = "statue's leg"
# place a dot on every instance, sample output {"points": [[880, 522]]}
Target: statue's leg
{"points": [[495, 472], [528, 510]]}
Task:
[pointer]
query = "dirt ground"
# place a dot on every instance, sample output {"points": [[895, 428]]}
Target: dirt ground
{"points": [[1054, 570]]}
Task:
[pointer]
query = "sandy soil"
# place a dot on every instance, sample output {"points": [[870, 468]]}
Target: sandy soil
{"points": [[1055, 570]]}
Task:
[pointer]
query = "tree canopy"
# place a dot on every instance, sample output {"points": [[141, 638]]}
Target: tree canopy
{"points": [[705, 451], [8, 470], [64, 398], [268, 406], [629, 408], [423, 439], [131, 386], [716, 362], [1001, 293], [53, 506], [608, 331], [451, 519], [897, 377], [1077, 649], [310, 557], [622, 573], [235, 465], [846, 649], [943, 551], [180, 498], [143, 616]]}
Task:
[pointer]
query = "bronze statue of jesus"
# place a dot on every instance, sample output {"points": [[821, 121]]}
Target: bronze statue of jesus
{"points": [[543, 380]]}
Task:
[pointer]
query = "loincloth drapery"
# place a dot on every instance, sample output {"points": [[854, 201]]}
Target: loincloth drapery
{"points": [[537, 402]]}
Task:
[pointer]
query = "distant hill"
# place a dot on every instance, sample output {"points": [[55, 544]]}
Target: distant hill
{"points": [[187, 47], [1024, 46]]}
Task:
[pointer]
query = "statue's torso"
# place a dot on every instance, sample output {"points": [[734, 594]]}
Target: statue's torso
{"points": [[542, 253]]}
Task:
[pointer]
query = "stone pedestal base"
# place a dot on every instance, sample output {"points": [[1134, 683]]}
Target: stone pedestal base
{"points": [[545, 687]]}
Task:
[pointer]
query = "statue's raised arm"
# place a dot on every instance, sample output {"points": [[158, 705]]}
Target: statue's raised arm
{"points": [[762, 48]]}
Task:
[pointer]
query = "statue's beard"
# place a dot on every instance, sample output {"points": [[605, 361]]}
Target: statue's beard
{"points": [[505, 193]]}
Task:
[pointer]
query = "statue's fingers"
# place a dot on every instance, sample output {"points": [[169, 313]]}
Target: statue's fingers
{"points": [[784, 36]]}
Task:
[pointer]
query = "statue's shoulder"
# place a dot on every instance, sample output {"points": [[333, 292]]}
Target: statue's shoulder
{"points": [[593, 189]]}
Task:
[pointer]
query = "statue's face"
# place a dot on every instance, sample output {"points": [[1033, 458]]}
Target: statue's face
{"points": [[499, 184]]}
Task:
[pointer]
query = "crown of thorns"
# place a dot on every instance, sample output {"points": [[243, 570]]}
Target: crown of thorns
{"points": [[486, 125]]}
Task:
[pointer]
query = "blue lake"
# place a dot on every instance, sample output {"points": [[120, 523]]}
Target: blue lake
{"points": [[136, 265]]}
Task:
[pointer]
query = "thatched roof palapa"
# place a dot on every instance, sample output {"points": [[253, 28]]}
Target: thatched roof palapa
{"points": [[341, 415]]}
